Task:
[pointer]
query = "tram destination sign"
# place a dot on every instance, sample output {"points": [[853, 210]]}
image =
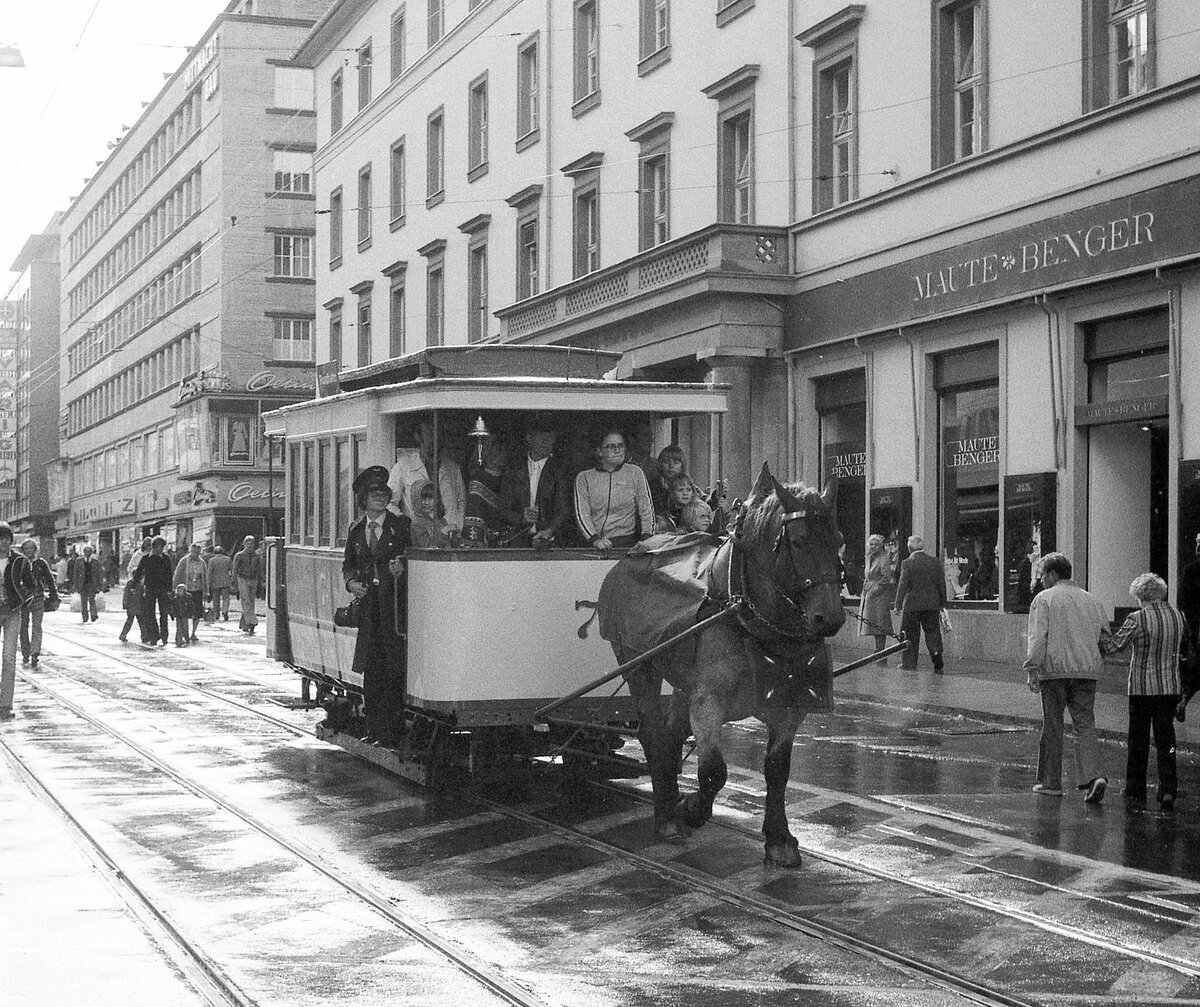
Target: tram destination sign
{"points": [[1148, 227]]}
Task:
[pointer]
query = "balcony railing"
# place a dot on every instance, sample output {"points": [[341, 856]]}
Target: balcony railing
{"points": [[721, 249]]}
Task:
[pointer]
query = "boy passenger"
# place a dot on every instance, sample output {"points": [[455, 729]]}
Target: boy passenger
{"points": [[535, 492]]}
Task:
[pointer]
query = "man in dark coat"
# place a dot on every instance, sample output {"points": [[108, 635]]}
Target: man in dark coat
{"points": [[373, 570], [535, 492], [920, 598], [88, 581]]}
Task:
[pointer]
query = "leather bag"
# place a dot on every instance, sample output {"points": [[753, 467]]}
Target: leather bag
{"points": [[348, 616]]}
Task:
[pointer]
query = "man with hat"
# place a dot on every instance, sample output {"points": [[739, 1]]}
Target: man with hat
{"points": [[373, 569], [535, 492]]}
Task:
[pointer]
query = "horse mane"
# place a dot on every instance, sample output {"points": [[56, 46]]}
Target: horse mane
{"points": [[760, 510]]}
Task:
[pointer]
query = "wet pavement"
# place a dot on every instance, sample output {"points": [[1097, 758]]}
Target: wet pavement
{"points": [[921, 840]]}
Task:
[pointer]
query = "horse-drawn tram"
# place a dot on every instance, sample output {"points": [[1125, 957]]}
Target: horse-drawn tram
{"points": [[492, 627]]}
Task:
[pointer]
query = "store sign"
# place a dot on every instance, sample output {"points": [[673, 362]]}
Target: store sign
{"points": [[151, 503], [202, 382], [269, 381], [240, 492], [1124, 234], [1121, 410], [845, 460], [328, 381], [104, 510], [972, 452]]}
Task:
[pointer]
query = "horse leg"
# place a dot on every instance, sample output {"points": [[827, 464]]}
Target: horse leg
{"points": [[781, 846], [653, 733], [707, 717]]}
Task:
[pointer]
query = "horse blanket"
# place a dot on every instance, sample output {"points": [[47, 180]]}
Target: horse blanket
{"points": [[656, 590]]}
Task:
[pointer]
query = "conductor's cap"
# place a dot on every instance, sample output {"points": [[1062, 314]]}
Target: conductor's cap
{"points": [[373, 478]]}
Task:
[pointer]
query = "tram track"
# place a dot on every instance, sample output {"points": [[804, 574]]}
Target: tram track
{"points": [[764, 907]]}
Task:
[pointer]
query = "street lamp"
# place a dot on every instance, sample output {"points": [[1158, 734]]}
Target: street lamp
{"points": [[10, 55]]}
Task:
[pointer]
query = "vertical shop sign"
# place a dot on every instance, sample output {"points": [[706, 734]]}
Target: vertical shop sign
{"points": [[8, 414]]}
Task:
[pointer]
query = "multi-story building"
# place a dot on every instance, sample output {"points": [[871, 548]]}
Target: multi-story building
{"points": [[29, 343], [944, 251], [996, 328], [587, 172], [187, 292]]}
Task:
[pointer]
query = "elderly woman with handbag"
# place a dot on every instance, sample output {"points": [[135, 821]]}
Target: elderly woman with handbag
{"points": [[373, 569], [878, 594], [1156, 634]]}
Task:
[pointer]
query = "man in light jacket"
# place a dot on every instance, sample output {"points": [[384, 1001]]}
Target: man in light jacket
{"points": [[1066, 626], [220, 578]]}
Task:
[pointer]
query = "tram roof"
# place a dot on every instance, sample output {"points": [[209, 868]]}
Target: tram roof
{"points": [[436, 382]]}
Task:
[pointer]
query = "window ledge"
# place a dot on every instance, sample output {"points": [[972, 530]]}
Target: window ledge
{"points": [[397, 222], [290, 195], [528, 140], [335, 262], [364, 244], [733, 11], [292, 111], [288, 363], [477, 172], [585, 104], [654, 61], [435, 199], [299, 280]]}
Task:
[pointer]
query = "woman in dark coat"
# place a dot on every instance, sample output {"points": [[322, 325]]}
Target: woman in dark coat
{"points": [[373, 570], [155, 574]]}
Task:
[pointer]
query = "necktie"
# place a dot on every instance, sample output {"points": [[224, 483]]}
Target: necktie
{"points": [[373, 535]]}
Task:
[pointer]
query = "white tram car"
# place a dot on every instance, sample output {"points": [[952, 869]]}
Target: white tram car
{"points": [[494, 633]]}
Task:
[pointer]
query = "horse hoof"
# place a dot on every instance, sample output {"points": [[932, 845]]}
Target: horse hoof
{"points": [[693, 811], [669, 833], [783, 855]]}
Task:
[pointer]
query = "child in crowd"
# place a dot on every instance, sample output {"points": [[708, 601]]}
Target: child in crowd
{"points": [[689, 512], [181, 608], [428, 530], [670, 467]]}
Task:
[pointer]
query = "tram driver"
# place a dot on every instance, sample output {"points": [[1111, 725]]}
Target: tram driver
{"points": [[535, 492], [373, 570], [612, 500]]}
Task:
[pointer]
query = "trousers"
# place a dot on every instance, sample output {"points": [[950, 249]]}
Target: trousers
{"points": [[911, 624], [1146, 712], [87, 604], [10, 627], [31, 628], [1079, 696]]}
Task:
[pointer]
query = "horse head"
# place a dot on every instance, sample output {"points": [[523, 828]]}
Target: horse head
{"points": [[792, 542]]}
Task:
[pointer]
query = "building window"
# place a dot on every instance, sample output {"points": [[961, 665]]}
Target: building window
{"points": [[587, 54], [397, 306], [335, 227], [364, 75], [364, 328], [335, 334], [335, 103], [435, 303], [398, 39], [1118, 45], [836, 175], [293, 339], [364, 207], [737, 169], [527, 89], [293, 87], [477, 291], [435, 181], [293, 171], [653, 217], [587, 227], [293, 256], [842, 415], [437, 21], [968, 389], [477, 138], [528, 263], [654, 35], [398, 186], [960, 72]]}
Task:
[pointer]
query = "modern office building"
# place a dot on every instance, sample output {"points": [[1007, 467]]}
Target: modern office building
{"points": [[187, 292], [29, 347]]}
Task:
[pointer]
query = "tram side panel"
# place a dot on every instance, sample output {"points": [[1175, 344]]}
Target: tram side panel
{"points": [[315, 589]]}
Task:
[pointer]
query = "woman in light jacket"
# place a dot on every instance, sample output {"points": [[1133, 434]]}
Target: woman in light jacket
{"points": [[878, 593]]}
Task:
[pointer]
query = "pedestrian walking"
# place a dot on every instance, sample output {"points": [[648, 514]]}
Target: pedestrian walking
{"points": [[1156, 634], [44, 599], [247, 573], [16, 586], [155, 574], [920, 599], [1066, 627], [131, 598], [878, 593], [192, 575], [88, 580], [220, 578]]}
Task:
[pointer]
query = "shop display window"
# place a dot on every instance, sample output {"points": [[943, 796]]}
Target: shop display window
{"points": [[1030, 529], [969, 472], [842, 408], [238, 447]]}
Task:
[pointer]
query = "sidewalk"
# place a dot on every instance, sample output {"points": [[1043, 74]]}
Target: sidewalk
{"points": [[991, 691]]}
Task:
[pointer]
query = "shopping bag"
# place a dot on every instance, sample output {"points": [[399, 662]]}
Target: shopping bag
{"points": [[947, 625]]}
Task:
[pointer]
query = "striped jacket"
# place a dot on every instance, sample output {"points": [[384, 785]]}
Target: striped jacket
{"points": [[1156, 633]]}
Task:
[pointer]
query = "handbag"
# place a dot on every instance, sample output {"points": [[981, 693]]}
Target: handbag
{"points": [[348, 616], [51, 604], [947, 625], [210, 613]]}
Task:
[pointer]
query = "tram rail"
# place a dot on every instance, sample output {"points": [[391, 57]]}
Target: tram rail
{"points": [[925, 971]]}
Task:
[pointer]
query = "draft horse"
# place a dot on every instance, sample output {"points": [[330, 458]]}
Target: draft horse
{"points": [[779, 574]]}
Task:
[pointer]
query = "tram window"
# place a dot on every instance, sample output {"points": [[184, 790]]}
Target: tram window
{"points": [[310, 493], [341, 489], [294, 493], [359, 445], [324, 508]]}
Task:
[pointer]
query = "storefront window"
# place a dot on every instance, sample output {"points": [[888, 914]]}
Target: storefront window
{"points": [[1030, 529], [842, 408], [239, 447], [969, 452]]}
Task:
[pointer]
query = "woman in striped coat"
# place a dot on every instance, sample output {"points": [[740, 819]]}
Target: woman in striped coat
{"points": [[1155, 632]]}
